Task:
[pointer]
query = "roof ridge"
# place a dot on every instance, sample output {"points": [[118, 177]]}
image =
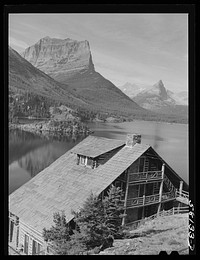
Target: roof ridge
{"points": [[101, 137]]}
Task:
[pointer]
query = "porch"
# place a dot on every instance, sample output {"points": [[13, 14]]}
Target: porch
{"points": [[145, 176], [146, 200]]}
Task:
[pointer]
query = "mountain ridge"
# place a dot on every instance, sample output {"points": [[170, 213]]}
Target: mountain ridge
{"points": [[49, 55], [132, 90], [75, 68], [78, 86], [159, 99]]}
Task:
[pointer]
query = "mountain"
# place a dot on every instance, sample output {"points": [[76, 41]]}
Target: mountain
{"points": [[24, 77], [33, 93], [154, 98], [158, 99], [181, 98], [56, 57], [131, 90], [70, 63]]}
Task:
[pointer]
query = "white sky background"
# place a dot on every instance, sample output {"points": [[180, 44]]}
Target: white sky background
{"points": [[135, 48]]}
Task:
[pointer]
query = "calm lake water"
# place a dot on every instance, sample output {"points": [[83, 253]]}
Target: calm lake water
{"points": [[30, 153]]}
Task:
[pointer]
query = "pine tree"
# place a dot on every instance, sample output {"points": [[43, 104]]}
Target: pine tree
{"points": [[91, 223], [114, 209], [59, 234], [98, 222]]}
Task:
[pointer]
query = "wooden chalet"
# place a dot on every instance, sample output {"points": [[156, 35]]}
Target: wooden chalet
{"points": [[148, 182]]}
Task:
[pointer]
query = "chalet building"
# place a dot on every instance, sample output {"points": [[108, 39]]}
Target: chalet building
{"points": [[148, 182]]}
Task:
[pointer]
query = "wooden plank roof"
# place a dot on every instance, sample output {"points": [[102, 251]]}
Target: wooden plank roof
{"points": [[64, 185], [94, 146]]}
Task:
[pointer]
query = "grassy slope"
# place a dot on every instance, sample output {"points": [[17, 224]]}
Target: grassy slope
{"points": [[162, 234], [100, 91], [25, 77]]}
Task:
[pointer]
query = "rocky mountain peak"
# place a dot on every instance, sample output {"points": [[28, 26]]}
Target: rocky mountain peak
{"points": [[53, 56], [160, 89]]}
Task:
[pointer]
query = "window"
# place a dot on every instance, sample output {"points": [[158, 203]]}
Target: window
{"points": [[134, 167], [82, 160], [26, 239], [36, 248], [133, 191], [118, 184], [141, 165], [89, 162], [11, 230]]}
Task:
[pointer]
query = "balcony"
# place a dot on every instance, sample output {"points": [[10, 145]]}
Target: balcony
{"points": [[146, 200], [145, 176]]}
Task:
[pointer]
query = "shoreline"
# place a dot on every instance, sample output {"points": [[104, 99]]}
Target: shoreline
{"points": [[44, 128]]}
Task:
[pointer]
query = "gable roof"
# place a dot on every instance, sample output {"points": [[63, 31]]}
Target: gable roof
{"points": [[64, 185], [170, 173], [94, 146]]}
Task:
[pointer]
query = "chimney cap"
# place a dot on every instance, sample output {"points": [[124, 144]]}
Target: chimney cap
{"points": [[132, 139]]}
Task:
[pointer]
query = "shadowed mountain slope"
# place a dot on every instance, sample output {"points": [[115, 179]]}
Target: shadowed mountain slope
{"points": [[70, 62]]}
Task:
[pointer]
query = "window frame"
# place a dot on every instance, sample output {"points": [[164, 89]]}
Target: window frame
{"points": [[26, 243], [37, 247]]}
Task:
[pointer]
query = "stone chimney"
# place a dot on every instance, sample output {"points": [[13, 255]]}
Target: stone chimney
{"points": [[132, 139]]}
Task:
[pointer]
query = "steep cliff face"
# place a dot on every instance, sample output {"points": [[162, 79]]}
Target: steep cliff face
{"points": [[159, 90], [154, 98], [24, 76], [56, 56], [70, 62], [159, 99]]}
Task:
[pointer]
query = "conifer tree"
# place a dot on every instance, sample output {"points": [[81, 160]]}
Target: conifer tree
{"points": [[114, 209], [98, 222], [91, 224], [59, 234]]}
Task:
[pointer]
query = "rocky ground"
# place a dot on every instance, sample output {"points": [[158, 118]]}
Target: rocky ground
{"points": [[162, 234]]}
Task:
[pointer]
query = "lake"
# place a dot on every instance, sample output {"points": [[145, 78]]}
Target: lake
{"points": [[30, 153]]}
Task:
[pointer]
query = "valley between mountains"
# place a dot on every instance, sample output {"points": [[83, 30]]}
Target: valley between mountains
{"points": [[56, 75]]}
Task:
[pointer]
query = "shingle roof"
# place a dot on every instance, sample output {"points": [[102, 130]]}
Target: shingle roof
{"points": [[65, 186], [93, 146]]}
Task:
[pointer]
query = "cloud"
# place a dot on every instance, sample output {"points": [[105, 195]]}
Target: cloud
{"points": [[17, 43]]}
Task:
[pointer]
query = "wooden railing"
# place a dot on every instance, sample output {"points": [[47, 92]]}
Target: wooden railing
{"points": [[168, 183], [150, 175], [145, 200], [182, 193], [182, 196], [135, 202], [168, 196], [163, 213]]}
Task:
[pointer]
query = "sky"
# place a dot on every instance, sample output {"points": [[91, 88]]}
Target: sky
{"points": [[136, 48]]}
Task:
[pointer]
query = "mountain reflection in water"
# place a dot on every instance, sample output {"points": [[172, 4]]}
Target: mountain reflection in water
{"points": [[29, 154]]}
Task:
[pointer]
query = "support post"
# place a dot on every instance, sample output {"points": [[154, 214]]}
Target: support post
{"points": [[86, 160], [180, 187], [161, 188], [143, 200], [9, 229], [143, 206], [125, 199]]}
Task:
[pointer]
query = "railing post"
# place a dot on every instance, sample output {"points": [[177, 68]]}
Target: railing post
{"points": [[181, 187], [161, 188], [126, 196], [143, 201]]}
